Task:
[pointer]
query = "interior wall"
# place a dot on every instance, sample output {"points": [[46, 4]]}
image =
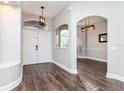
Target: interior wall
{"points": [[29, 41], [81, 43], [115, 32], [10, 34], [10, 47], [61, 55], [0, 29], [89, 45]]}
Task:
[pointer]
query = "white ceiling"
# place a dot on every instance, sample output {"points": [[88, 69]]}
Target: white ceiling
{"points": [[92, 20], [11, 3], [52, 8]]}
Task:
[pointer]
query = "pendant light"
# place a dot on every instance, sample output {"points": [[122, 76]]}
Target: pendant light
{"points": [[87, 26], [41, 18]]}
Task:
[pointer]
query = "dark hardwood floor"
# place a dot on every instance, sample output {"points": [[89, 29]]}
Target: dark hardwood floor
{"points": [[48, 76]]}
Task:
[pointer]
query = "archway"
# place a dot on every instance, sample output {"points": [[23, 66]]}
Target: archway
{"points": [[92, 44]]}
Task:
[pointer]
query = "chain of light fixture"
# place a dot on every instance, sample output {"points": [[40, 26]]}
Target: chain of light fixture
{"points": [[42, 18]]}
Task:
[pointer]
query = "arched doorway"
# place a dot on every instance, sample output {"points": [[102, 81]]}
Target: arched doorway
{"points": [[92, 44]]}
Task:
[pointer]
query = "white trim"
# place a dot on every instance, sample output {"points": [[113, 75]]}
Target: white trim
{"points": [[11, 85], [118, 77], [99, 49], [81, 57], [31, 63], [72, 71], [6, 65], [102, 60]]}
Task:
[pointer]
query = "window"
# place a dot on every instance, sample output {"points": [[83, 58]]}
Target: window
{"points": [[62, 36]]}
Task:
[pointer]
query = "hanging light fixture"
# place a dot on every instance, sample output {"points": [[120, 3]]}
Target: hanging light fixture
{"points": [[87, 27], [41, 18]]}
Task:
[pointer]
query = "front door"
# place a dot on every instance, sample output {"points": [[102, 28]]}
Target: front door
{"points": [[29, 45]]}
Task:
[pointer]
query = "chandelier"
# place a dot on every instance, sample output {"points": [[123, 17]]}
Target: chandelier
{"points": [[41, 18], [87, 27]]}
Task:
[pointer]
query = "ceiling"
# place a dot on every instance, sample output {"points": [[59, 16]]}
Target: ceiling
{"points": [[11, 3], [52, 8], [92, 20]]}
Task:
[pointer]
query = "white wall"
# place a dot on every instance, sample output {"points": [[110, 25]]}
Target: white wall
{"points": [[0, 27], [81, 43], [29, 41], [61, 55], [93, 49], [114, 12], [10, 29], [10, 47]]}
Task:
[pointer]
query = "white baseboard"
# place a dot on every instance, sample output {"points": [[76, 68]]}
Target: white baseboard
{"points": [[102, 60], [121, 78], [72, 71], [31, 63], [11, 85]]}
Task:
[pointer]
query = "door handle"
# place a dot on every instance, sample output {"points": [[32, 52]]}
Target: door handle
{"points": [[36, 47]]}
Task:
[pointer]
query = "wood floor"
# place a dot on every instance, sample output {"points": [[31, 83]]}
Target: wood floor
{"points": [[48, 76]]}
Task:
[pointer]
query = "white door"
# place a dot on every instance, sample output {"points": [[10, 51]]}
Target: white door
{"points": [[44, 47], [29, 52], [31, 38]]}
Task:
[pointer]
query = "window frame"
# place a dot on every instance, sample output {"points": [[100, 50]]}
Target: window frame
{"points": [[58, 33]]}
